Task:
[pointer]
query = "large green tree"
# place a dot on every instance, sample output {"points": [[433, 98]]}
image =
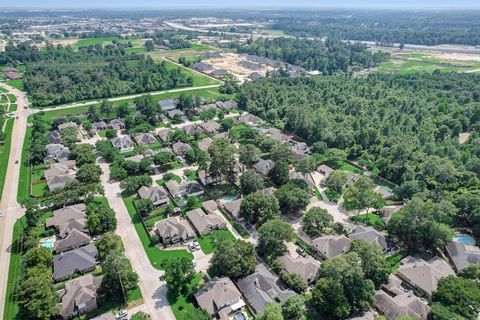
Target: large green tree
{"points": [[315, 221], [459, 295], [258, 208], [272, 236], [374, 264], [250, 182], [179, 273], [233, 259]]}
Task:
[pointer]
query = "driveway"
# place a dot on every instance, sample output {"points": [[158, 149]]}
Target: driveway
{"points": [[154, 291]]}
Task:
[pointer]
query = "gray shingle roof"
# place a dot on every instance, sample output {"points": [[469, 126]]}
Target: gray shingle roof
{"points": [[78, 260], [463, 255], [75, 238], [217, 294], [331, 246], [205, 223], [306, 267], [370, 235], [80, 294]]}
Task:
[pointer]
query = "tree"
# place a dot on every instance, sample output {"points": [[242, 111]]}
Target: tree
{"points": [[335, 181], [118, 173], [101, 219], [149, 46], [272, 236], [108, 243], [84, 154], [222, 159], [336, 155], [279, 173], [118, 276], [144, 206], [342, 287], [131, 184], [315, 221], [257, 208], [106, 106], [110, 133], [281, 152], [304, 166], [163, 157], [292, 198], [234, 259], [37, 296], [250, 182], [374, 264], [249, 154], [197, 314], [360, 194], [179, 273], [459, 295], [89, 173], [38, 256], [294, 308], [32, 212], [273, 311], [471, 272]]}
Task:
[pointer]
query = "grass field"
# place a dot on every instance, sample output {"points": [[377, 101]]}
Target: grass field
{"points": [[183, 305], [207, 242], [18, 84], [370, 220], [332, 195], [5, 153], [25, 170], [156, 255], [199, 79]]}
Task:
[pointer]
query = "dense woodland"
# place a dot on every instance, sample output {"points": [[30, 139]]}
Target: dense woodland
{"points": [[327, 57], [420, 27]]}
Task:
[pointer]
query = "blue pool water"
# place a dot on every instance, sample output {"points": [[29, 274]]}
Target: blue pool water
{"points": [[239, 316], [47, 243], [464, 238], [229, 198]]}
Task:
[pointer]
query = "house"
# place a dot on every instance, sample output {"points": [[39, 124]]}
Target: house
{"points": [[277, 135], [186, 188], [173, 230], [136, 158], [330, 246], [201, 66], [220, 298], [233, 208], [205, 143], [325, 170], [249, 120], [68, 263], [210, 206], [207, 107], [306, 267], [351, 178], [175, 113], [145, 139], [370, 235], [191, 129], [167, 104], [423, 275], [204, 223], [148, 153], [117, 124], [300, 150], [261, 288], [157, 194], [68, 218], [123, 143], [101, 125], [227, 105], [59, 175], [255, 75], [263, 167], [219, 72], [210, 127], [79, 296], [206, 178], [65, 125], [388, 211], [180, 148], [250, 65], [462, 255], [54, 137], [164, 134], [73, 240], [56, 152], [384, 192], [294, 175]]}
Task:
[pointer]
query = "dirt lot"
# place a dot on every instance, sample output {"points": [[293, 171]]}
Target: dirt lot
{"points": [[230, 62]]}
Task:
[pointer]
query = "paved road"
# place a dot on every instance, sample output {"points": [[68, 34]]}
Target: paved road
{"points": [[10, 209], [154, 291]]}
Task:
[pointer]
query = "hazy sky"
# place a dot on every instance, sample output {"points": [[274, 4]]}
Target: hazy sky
{"points": [[239, 3]]}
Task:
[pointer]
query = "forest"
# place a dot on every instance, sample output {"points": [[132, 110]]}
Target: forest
{"points": [[60, 74], [328, 57], [419, 27]]}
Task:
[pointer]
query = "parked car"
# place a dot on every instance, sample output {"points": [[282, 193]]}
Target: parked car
{"points": [[196, 245], [121, 315], [301, 252]]}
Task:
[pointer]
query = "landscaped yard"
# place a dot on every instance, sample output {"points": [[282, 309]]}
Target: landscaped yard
{"points": [[207, 242], [155, 254], [183, 305], [394, 260], [332, 195], [371, 220]]}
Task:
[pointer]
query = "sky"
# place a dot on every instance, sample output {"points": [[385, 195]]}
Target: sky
{"points": [[238, 3]]}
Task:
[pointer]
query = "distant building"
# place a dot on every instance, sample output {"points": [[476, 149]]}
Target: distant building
{"points": [[145, 139], [370, 235]]}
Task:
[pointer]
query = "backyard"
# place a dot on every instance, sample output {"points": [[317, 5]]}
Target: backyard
{"points": [[207, 242]]}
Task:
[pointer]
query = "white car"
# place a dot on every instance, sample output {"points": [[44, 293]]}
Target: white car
{"points": [[196, 245], [121, 315]]}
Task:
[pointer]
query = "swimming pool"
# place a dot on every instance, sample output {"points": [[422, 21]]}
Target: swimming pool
{"points": [[239, 316], [464, 238], [229, 198], [47, 243]]}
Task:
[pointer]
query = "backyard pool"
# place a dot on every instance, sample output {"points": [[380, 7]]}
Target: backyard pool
{"points": [[464, 238], [229, 198], [240, 316], [47, 243]]}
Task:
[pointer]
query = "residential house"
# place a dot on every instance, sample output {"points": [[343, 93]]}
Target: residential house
{"points": [[205, 143], [233, 208], [123, 143], [204, 223], [157, 194], [79, 296], [388, 211], [59, 175], [210, 127], [186, 188], [175, 113], [462, 255], [73, 240], [227, 105], [219, 73], [325, 170], [207, 107], [306, 267], [174, 230], [68, 263], [370, 235], [206, 178], [56, 152], [384, 192], [249, 120], [261, 288], [68, 218], [101, 125], [191, 129], [300, 150], [65, 125], [167, 104], [294, 175], [54, 137], [423, 275], [164, 134], [180, 148], [210, 206], [149, 153], [136, 158], [255, 75], [117, 124], [277, 135], [145, 139], [220, 298], [330, 246], [263, 167]]}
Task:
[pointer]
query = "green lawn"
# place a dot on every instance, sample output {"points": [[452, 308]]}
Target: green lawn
{"points": [[12, 98], [17, 84], [393, 261], [183, 305], [93, 41], [13, 107], [39, 189], [238, 227], [199, 79], [155, 254], [25, 170], [371, 220], [207, 242], [5, 153], [332, 195]]}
